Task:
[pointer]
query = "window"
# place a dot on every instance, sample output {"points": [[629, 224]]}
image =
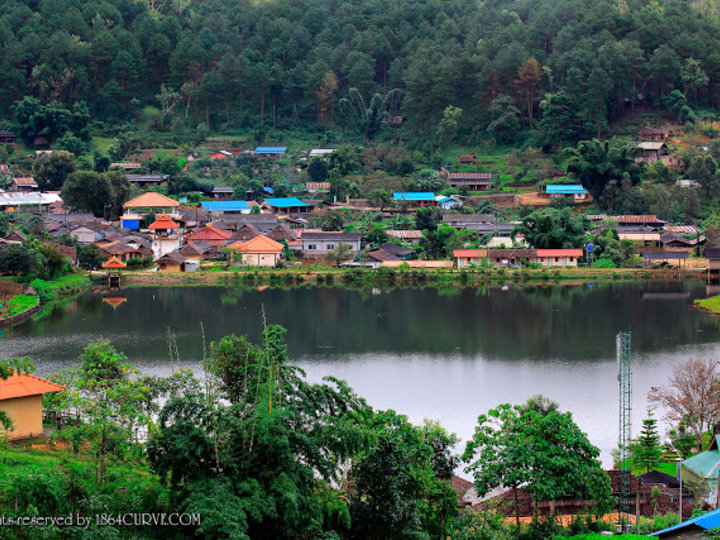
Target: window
{"points": [[331, 246], [557, 259], [312, 246]]}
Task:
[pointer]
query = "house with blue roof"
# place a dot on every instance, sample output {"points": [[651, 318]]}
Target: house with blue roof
{"points": [[415, 198], [271, 150], [286, 205], [694, 528], [226, 207], [576, 191]]}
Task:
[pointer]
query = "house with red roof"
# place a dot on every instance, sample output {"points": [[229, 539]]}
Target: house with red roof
{"points": [[212, 236], [558, 258], [21, 400], [467, 257]]}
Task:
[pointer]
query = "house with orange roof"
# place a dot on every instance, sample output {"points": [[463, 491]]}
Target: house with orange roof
{"points": [[258, 251], [21, 400], [136, 209], [467, 257]]}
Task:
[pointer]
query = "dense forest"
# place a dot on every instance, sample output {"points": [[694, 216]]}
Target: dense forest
{"points": [[562, 68]]}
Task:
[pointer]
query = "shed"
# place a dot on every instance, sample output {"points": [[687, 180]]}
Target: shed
{"points": [[466, 158], [21, 399], [23, 184], [654, 133], [575, 191], [271, 150], [223, 193]]}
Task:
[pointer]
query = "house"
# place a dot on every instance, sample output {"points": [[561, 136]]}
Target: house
{"points": [[412, 236], [171, 262], [271, 150], [221, 154], [390, 252], [126, 166], [318, 152], [21, 399], [653, 151], [317, 187], [222, 208], [30, 202], [286, 205], [696, 528], [633, 221], [212, 236], [471, 181], [7, 137], [319, 244], [415, 198], [468, 221], [466, 158], [702, 470], [574, 191], [85, 235], [640, 236], [447, 203], [123, 251], [558, 258], [670, 258], [223, 193], [675, 242], [259, 251], [193, 217], [510, 257], [136, 209], [467, 257], [113, 263], [195, 251], [26, 184], [144, 181], [650, 133]]}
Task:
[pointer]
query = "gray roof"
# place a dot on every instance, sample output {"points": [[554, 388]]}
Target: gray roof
{"points": [[331, 235]]}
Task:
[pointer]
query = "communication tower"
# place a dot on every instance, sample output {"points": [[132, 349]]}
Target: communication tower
{"points": [[625, 435]]}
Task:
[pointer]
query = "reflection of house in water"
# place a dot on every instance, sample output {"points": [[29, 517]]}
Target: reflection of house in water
{"points": [[665, 295], [115, 301]]}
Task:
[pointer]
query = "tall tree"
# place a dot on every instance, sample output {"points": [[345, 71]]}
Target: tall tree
{"points": [[646, 450], [528, 81]]}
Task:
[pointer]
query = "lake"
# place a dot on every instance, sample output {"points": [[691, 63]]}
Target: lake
{"points": [[443, 355]]}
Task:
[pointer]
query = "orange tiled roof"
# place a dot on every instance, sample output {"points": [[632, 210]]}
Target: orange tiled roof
{"points": [[163, 222], [151, 200], [259, 244], [113, 263], [208, 233], [470, 253], [21, 385]]}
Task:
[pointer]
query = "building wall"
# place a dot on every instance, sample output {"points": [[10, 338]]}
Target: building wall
{"points": [[323, 247], [464, 262], [261, 259], [170, 268], [557, 262], [26, 414]]}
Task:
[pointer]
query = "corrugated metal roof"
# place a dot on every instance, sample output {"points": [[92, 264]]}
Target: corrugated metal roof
{"points": [[414, 196], [18, 198], [23, 385], [707, 521], [565, 189], [225, 206], [270, 149], [285, 202]]}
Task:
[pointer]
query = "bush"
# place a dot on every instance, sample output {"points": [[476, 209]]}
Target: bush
{"points": [[43, 289], [603, 263]]}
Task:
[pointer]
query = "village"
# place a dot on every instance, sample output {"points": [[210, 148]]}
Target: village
{"points": [[315, 223]]}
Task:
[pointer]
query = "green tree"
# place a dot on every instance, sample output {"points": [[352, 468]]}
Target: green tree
{"points": [[18, 259], [51, 170], [552, 228], [545, 454], [88, 191], [318, 170], [646, 451], [368, 118], [504, 119], [449, 124]]}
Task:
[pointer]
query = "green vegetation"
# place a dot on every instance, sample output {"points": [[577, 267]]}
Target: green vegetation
{"points": [[18, 304], [711, 304]]}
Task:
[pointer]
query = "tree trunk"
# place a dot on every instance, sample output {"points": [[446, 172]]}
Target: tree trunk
{"points": [[273, 116], [262, 106], [517, 512]]}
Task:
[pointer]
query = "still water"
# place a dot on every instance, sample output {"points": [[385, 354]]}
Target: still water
{"points": [[427, 354]]}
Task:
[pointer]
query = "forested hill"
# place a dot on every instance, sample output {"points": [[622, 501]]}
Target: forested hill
{"points": [[239, 63]]}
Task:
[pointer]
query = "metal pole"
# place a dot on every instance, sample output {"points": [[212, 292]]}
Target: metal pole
{"points": [[679, 474]]}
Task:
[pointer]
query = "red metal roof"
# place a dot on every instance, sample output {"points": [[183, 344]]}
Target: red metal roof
{"points": [[209, 233], [559, 252], [163, 222], [469, 253], [26, 182], [399, 233], [24, 385], [637, 219]]}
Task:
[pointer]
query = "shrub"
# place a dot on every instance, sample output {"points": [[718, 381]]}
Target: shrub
{"points": [[43, 290]]}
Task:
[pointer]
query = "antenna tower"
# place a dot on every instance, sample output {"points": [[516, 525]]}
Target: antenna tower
{"points": [[625, 411]]}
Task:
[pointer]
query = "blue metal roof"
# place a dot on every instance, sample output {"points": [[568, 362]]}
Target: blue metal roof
{"points": [[225, 206], [270, 149], [268, 189], [414, 196], [285, 202], [706, 521], [565, 189]]}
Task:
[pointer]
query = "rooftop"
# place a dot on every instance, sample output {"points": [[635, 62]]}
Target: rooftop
{"points": [[270, 149], [285, 202], [20, 385], [414, 196], [225, 206], [151, 200], [565, 189], [259, 244]]}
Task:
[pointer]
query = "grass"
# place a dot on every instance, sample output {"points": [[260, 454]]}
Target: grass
{"points": [[18, 304], [102, 144], [711, 304]]}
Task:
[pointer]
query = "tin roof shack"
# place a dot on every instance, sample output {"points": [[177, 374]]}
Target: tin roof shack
{"points": [[271, 150], [571, 191], [21, 399], [144, 181], [286, 205], [696, 528], [468, 221], [467, 158], [23, 185], [319, 244], [652, 151], [259, 251], [223, 193], [651, 133], [412, 236], [415, 199]]}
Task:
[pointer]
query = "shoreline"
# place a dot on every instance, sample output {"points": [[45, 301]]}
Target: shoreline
{"points": [[354, 278]]}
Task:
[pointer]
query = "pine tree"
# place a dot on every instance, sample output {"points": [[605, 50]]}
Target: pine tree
{"points": [[646, 450]]}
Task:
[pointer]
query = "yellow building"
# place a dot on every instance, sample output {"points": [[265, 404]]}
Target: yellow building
{"points": [[259, 251], [21, 399]]}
